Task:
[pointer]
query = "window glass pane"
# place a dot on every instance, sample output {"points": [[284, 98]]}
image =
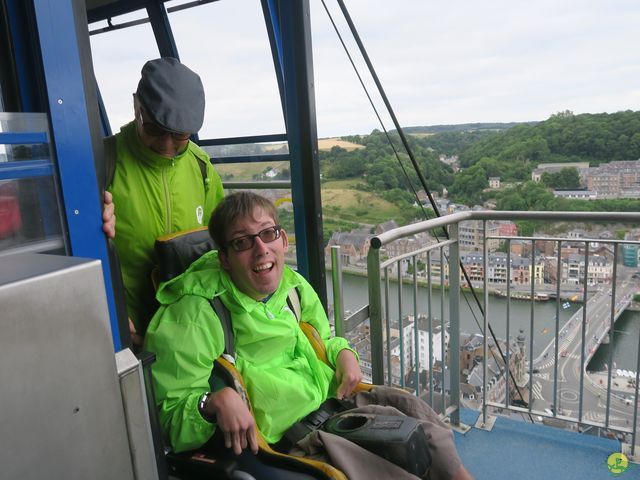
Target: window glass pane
{"points": [[226, 43], [24, 123], [29, 216], [243, 176], [118, 72], [29, 207]]}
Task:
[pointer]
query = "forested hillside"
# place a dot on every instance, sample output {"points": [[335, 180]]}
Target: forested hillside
{"points": [[379, 168], [564, 137], [513, 154], [508, 151], [462, 127]]}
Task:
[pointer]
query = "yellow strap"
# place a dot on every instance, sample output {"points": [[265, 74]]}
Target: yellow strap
{"points": [[329, 470]]}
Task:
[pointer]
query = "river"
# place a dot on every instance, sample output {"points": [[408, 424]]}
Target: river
{"points": [[625, 339]]}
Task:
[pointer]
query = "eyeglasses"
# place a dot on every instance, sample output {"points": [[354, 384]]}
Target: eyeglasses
{"points": [[154, 130], [268, 235]]}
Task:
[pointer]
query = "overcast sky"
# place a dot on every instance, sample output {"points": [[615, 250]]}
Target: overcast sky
{"points": [[440, 62]]}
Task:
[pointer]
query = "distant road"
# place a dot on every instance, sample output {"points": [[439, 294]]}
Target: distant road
{"points": [[570, 363]]}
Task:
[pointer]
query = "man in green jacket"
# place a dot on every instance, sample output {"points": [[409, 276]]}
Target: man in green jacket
{"points": [[284, 378], [162, 182]]}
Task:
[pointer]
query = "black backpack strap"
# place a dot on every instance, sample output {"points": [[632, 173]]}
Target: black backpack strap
{"points": [[225, 319], [110, 153], [203, 170], [202, 159]]}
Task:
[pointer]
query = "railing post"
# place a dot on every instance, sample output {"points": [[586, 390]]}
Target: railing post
{"points": [[336, 282], [454, 325], [485, 326], [375, 312], [400, 324], [508, 320], [416, 331]]}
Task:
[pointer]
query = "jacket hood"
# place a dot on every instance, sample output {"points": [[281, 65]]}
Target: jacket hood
{"points": [[203, 278]]}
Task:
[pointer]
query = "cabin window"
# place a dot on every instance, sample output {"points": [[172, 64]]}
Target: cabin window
{"points": [[118, 74], [29, 211], [227, 44]]}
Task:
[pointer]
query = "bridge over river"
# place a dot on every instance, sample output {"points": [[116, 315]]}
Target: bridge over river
{"points": [[559, 372]]}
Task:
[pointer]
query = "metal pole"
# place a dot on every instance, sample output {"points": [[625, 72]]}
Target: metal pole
{"points": [[375, 314], [531, 329], [400, 324], [416, 331], [454, 325], [485, 328], [430, 320], [508, 332], [336, 281], [611, 330], [300, 120]]}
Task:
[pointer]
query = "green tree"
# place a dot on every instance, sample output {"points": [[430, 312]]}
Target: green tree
{"points": [[565, 179], [469, 184]]}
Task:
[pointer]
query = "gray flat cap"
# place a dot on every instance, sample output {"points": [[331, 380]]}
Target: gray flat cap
{"points": [[172, 94]]}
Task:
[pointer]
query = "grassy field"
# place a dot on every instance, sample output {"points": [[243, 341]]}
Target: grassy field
{"points": [[329, 143], [340, 200], [246, 171], [342, 204], [421, 135], [323, 144], [350, 183], [344, 207]]}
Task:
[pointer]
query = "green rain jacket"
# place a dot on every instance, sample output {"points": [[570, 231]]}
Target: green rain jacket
{"points": [[155, 196], [284, 378]]}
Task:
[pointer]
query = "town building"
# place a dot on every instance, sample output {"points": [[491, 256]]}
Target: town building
{"points": [[354, 247], [576, 194], [599, 269], [581, 167], [620, 179], [472, 363], [471, 235], [409, 343]]}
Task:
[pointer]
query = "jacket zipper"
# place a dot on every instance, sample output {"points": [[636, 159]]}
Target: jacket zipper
{"points": [[167, 199]]}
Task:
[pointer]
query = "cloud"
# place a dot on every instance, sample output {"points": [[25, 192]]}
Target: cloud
{"points": [[439, 62], [460, 61]]}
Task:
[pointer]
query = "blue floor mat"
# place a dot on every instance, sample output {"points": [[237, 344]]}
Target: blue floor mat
{"points": [[523, 451]]}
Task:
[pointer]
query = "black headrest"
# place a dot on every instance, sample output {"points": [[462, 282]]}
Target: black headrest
{"points": [[176, 251]]}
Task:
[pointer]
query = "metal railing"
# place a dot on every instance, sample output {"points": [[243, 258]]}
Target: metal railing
{"points": [[526, 379]]}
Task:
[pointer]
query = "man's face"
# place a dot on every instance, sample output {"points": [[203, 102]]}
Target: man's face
{"points": [[154, 137], [256, 271]]}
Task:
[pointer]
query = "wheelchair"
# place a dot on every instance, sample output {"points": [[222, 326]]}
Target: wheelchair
{"points": [[175, 252]]}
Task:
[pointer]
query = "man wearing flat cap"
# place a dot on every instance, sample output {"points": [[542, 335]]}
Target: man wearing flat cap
{"points": [[162, 182]]}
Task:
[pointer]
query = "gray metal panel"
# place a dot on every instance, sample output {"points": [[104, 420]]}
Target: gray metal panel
{"points": [[134, 398], [61, 413]]}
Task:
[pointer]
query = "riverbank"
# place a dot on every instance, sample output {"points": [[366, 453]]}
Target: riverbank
{"points": [[493, 290]]}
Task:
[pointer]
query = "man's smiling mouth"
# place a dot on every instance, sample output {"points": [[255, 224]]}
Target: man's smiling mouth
{"points": [[263, 267]]}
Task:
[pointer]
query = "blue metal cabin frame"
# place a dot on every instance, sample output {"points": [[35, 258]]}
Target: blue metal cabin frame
{"points": [[53, 73]]}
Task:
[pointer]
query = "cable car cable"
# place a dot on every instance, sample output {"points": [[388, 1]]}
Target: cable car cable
{"points": [[421, 178], [375, 110]]}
